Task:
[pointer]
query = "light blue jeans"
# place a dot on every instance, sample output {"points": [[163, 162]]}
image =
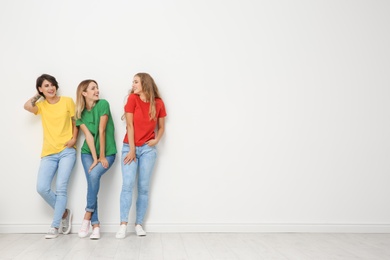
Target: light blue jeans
{"points": [[62, 163], [93, 181], [146, 158]]}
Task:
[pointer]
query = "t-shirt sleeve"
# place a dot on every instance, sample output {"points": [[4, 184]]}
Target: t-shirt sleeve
{"points": [[39, 106], [71, 108], [79, 122], [130, 104], [104, 108]]}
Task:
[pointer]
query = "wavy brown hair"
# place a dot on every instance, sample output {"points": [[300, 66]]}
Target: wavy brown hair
{"points": [[150, 89]]}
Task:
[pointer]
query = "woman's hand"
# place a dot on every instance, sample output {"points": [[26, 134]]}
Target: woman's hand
{"points": [[95, 162], [130, 156], [71, 143], [152, 142], [104, 162]]}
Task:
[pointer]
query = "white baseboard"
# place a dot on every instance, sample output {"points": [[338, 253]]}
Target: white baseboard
{"points": [[213, 227]]}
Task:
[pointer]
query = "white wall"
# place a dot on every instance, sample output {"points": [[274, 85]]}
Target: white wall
{"points": [[278, 111]]}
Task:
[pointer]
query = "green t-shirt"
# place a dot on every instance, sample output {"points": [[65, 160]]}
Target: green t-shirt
{"points": [[91, 119]]}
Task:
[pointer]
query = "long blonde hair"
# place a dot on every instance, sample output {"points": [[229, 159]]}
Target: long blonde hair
{"points": [[80, 99], [151, 92]]}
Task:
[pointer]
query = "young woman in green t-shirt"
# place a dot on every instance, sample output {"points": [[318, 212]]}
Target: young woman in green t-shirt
{"points": [[98, 152]]}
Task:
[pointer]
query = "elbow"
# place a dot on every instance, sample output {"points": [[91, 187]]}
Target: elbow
{"points": [[161, 129], [26, 107]]}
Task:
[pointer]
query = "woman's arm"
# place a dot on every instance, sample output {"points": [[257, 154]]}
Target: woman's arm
{"points": [[102, 138], [91, 144], [130, 135], [75, 133], [30, 104], [160, 132]]}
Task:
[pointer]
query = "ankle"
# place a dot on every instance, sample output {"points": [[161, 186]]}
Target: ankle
{"points": [[88, 215]]}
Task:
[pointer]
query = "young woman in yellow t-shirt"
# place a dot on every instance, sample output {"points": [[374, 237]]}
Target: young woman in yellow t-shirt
{"points": [[58, 154]]}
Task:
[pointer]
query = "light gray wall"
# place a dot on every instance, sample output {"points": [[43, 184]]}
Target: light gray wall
{"points": [[278, 111]]}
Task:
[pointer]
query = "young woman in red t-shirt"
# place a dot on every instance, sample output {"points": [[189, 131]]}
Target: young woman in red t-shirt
{"points": [[144, 113]]}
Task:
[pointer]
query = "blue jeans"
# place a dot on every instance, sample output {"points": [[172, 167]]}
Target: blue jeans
{"points": [[146, 158], [62, 163], [93, 181]]}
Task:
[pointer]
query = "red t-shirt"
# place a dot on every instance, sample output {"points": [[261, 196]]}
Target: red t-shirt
{"points": [[144, 128]]}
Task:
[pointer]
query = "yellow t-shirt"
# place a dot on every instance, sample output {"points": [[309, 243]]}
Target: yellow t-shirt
{"points": [[56, 124]]}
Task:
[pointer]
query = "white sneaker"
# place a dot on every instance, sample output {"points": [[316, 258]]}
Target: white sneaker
{"points": [[52, 233], [84, 230], [67, 223], [122, 231], [139, 230], [95, 233]]}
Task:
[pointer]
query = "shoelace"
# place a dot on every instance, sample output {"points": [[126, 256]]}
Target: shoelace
{"points": [[52, 231]]}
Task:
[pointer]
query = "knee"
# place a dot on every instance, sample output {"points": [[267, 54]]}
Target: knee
{"points": [[43, 190], [62, 189], [143, 187], [94, 177], [143, 190], [127, 187], [127, 184], [61, 192]]}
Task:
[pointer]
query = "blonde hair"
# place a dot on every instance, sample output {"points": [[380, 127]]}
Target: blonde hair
{"points": [[80, 99], [151, 92]]}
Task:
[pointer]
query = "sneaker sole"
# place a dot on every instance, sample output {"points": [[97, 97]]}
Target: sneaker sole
{"points": [[50, 237], [140, 234]]}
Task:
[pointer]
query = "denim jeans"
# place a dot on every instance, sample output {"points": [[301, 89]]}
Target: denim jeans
{"points": [[62, 163], [146, 158], [93, 181]]}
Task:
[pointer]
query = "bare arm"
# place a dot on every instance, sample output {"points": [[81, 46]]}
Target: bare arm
{"points": [[130, 135], [160, 132], [91, 144], [102, 138], [75, 132], [30, 104]]}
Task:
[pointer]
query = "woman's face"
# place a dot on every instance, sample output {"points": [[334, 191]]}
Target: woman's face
{"points": [[92, 92], [48, 89], [137, 87]]}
